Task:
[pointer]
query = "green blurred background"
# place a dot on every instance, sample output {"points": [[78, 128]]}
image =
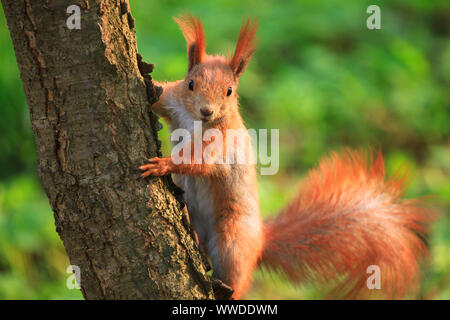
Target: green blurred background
{"points": [[319, 75]]}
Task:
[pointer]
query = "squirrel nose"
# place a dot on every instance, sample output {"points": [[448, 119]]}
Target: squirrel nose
{"points": [[206, 112]]}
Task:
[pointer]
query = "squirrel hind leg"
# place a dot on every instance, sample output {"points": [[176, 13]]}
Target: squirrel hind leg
{"points": [[235, 259], [237, 277]]}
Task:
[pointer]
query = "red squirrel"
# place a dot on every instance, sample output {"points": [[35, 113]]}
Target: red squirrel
{"points": [[347, 216]]}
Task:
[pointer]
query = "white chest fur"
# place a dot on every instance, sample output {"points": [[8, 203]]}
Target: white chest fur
{"points": [[197, 190]]}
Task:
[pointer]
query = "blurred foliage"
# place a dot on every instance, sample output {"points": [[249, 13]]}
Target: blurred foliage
{"points": [[319, 75], [32, 258]]}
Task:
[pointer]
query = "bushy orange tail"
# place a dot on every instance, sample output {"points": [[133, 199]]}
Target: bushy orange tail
{"points": [[347, 218]]}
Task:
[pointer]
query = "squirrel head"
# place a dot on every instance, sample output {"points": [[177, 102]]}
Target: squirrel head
{"points": [[211, 82]]}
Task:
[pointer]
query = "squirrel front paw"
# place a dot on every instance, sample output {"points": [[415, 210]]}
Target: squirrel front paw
{"points": [[156, 167]]}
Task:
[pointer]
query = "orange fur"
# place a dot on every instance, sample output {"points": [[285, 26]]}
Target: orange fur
{"points": [[245, 46], [347, 217], [162, 166], [192, 30]]}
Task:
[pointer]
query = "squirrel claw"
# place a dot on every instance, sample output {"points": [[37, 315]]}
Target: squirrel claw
{"points": [[154, 160], [155, 167], [221, 290]]}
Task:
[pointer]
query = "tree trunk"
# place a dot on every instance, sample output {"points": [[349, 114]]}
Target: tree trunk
{"points": [[89, 105]]}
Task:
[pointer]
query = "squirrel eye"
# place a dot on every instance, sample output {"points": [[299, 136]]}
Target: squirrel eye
{"points": [[229, 91], [191, 85]]}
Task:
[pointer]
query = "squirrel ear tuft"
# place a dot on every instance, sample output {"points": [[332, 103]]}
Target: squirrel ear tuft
{"points": [[245, 47], [192, 30]]}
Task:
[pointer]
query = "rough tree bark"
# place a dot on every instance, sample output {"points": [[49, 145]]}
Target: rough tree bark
{"points": [[89, 106]]}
